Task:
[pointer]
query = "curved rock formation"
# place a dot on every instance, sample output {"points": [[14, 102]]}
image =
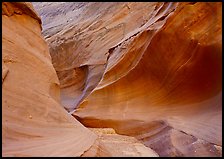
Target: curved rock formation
{"points": [[148, 70], [176, 83], [33, 121], [80, 42]]}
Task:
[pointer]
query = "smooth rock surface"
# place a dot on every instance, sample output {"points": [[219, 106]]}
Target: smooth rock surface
{"points": [[148, 70], [33, 121]]}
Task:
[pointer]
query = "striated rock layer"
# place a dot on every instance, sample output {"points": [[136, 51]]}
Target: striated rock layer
{"points": [[80, 41], [33, 121], [148, 70]]}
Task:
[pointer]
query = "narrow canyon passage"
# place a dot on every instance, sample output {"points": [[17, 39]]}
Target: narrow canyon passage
{"points": [[112, 79]]}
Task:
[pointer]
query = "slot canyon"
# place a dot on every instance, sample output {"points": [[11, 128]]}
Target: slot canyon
{"points": [[110, 79]]}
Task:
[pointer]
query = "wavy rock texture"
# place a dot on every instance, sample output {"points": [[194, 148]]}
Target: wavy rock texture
{"points": [[33, 121], [148, 70], [80, 36]]}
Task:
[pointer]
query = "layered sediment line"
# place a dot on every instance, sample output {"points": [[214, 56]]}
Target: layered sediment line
{"points": [[161, 73]]}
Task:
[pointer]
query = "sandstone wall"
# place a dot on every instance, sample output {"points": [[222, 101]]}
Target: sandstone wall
{"points": [[148, 70], [33, 121]]}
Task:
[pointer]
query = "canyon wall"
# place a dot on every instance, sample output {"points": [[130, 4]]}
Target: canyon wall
{"points": [[34, 123], [166, 89], [149, 70]]}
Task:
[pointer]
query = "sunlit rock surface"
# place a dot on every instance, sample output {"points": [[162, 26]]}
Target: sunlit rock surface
{"points": [[148, 70], [33, 121]]}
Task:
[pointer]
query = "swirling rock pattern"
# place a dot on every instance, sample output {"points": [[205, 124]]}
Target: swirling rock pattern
{"points": [[73, 40], [148, 70], [34, 123]]}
